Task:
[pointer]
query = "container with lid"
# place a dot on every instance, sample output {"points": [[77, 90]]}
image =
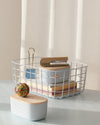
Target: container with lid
{"points": [[49, 75], [32, 107]]}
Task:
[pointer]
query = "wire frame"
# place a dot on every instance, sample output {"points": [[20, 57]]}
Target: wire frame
{"points": [[50, 83]]}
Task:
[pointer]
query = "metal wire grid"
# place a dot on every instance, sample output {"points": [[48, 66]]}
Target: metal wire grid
{"points": [[41, 85]]}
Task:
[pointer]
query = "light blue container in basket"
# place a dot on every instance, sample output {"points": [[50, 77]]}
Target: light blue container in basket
{"points": [[48, 74]]}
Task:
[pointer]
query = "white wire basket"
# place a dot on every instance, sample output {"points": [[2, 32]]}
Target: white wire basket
{"points": [[50, 83]]}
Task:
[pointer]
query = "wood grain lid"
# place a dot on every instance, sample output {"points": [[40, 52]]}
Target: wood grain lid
{"points": [[30, 99], [55, 68]]}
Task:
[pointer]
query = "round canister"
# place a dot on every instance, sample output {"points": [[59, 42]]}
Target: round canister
{"points": [[51, 75], [32, 107]]}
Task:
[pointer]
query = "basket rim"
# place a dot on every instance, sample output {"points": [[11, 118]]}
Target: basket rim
{"points": [[76, 63]]}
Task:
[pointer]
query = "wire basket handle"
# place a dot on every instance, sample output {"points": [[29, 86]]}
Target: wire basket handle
{"points": [[30, 54]]}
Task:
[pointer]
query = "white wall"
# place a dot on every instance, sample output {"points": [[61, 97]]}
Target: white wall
{"points": [[90, 51], [10, 32], [38, 24]]}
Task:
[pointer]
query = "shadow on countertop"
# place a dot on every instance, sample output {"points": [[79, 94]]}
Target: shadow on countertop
{"points": [[4, 107], [62, 116]]}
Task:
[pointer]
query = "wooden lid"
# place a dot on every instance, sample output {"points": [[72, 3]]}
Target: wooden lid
{"points": [[46, 62], [55, 68], [30, 99]]}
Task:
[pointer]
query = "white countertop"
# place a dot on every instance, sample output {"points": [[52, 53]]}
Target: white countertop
{"points": [[83, 109]]}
